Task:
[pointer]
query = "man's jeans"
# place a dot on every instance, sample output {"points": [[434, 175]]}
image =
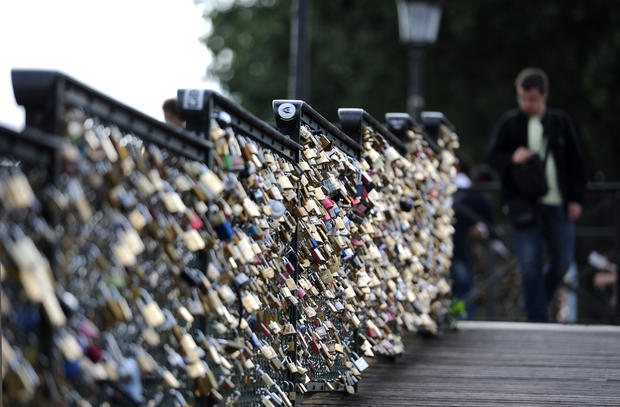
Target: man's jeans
{"points": [[554, 231]]}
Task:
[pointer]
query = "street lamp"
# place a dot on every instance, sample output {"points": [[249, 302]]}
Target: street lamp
{"points": [[418, 23]]}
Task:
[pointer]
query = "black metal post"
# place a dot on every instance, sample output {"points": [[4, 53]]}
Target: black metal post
{"points": [[288, 122], [298, 70], [415, 98]]}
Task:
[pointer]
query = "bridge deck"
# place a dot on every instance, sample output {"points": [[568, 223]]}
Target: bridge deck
{"points": [[491, 363]]}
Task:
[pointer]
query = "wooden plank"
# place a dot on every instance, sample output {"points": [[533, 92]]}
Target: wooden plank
{"points": [[487, 364]]}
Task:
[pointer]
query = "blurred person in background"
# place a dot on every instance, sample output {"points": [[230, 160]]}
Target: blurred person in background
{"points": [[547, 221], [171, 112], [475, 217]]}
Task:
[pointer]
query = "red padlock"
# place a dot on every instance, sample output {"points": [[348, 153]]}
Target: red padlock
{"points": [[318, 257], [327, 203], [289, 267], [195, 222], [357, 242], [372, 332], [265, 330], [88, 329], [94, 353], [314, 346]]}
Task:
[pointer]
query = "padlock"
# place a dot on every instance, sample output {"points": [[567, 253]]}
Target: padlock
{"points": [[151, 312], [221, 225]]}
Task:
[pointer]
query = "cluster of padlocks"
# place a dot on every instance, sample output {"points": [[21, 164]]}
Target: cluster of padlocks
{"points": [[229, 263]]}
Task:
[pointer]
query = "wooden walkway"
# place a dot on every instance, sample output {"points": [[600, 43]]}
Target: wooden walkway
{"points": [[492, 363]]}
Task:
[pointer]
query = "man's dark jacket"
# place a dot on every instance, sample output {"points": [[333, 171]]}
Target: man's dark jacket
{"points": [[511, 133]]}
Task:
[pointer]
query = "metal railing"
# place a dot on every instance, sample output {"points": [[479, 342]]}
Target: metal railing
{"points": [[497, 290]]}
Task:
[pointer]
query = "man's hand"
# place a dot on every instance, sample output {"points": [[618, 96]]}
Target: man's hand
{"points": [[521, 155], [480, 231], [573, 211]]}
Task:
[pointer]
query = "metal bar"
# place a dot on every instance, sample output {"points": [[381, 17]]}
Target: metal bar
{"points": [[593, 231], [300, 48], [287, 110], [313, 119], [381, 129], [47, 94], [473, 216], [436, 119], [611, 200], [352, 121], [497, 275], [605, 203], [253, 121], [491, 186], [495, 186], [288, 120], [31, 146], [399, 123], [290, 115], [591, 301], [198, 107], [35, 148], [603, 186], [294, 312], [415, 99]]}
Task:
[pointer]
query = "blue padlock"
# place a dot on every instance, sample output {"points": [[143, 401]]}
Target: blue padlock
{"points": [[254, 341], [130, 370], [71, 369], [28, 318], [224, 231], [252, 230]]}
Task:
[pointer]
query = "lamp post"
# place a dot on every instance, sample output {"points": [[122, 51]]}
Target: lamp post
{"points": [[418, 23], [300, 49]]}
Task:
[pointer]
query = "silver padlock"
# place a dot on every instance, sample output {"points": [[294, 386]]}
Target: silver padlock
{"points": [[359, 362]]}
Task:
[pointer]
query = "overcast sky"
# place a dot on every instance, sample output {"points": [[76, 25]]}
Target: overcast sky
{"points": [[137, 51]]}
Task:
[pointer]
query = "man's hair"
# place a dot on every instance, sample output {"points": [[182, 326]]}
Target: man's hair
{"points": [[532, 78], [171, 105]]}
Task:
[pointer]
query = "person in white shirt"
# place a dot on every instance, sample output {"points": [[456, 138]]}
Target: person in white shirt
{"points": [[519, 134]]}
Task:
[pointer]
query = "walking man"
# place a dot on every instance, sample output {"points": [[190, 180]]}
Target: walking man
{"points": [[546, 221]]}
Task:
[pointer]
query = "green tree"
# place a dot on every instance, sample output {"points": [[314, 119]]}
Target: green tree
{"points": [[250, 48], [357, 61], [349, 44], [483, 44]]}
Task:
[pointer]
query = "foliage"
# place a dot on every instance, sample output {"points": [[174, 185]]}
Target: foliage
{"points": [[357, 61], [576, 42], [457, 312]]}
